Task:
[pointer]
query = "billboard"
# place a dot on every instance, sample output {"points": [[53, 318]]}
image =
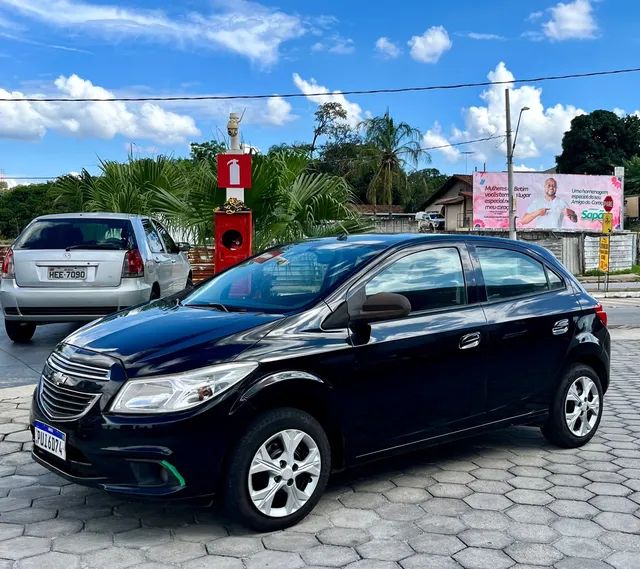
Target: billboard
{"points": [[567, 202]]}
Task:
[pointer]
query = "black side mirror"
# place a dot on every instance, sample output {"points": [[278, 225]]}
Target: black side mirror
{"points": [[183, 246], [382, 306]]}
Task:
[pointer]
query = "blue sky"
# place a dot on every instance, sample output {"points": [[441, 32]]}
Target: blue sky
{"points": [[108, 48]]}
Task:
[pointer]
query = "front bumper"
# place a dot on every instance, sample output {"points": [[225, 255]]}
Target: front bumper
{"points": [[147, 457], [42, 304]]}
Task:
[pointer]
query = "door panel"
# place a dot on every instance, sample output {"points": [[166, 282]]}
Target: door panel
{"points": [[178, 272], [530, 313], [418, 380], [161, 259], [423, 375]]}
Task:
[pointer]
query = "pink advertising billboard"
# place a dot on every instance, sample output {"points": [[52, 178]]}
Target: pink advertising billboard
{"points": [[566, 202]]}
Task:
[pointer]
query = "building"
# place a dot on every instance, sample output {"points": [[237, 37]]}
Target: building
{"points": [[454, 200]]}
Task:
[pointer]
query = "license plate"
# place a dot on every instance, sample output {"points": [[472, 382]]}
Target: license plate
{"points": [[67, 274], [50, 439]]}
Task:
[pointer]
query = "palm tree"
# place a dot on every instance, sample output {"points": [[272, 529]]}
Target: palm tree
{"points": [[389, 148], [289, 202]]}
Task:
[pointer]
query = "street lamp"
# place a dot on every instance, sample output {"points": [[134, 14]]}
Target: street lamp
{"points": [[515, 138], [510, 148]]}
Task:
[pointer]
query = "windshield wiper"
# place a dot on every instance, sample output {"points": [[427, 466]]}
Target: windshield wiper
{"points": [[214, 305], [96, 246]]}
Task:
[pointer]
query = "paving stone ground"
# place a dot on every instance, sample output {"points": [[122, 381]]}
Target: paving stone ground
{"points": [[497, 501]]}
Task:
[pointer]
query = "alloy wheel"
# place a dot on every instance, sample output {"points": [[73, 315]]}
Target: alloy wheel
{"points": [[284, 473], [582, 406]]}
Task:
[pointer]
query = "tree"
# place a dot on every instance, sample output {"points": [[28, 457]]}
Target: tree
{"points": [[330, 122], [632, 176], [3, 185], [420, 186], [390, 147], [207, 150], [598, 142]]}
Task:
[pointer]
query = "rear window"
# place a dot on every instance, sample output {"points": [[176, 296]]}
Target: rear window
{"points": [[68, 233]]}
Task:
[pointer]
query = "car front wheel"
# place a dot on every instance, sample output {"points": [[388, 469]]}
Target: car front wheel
{"points": [[575, 413], [278, 471], [19, 332]]}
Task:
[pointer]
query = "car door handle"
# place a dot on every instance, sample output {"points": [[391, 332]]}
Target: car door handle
{"points": [[469, 341], [561, 327]]}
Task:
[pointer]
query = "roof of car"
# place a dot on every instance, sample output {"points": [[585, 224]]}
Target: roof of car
{"points": [[91, 215], [389, 240]]}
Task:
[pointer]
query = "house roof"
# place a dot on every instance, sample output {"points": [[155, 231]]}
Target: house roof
{"points": [[450, 181], [368, 208]]}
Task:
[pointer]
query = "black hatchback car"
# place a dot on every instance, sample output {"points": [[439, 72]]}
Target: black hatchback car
{"points": [[317, 356]]}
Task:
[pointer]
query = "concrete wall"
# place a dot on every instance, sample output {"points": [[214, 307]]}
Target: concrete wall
{"points": [[623, 252]]}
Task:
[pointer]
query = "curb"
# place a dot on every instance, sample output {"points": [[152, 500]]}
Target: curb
{"points": [[616, 294], [15, 392]]}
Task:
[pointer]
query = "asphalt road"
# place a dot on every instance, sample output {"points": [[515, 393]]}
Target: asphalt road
{"points": [[21, 364]]}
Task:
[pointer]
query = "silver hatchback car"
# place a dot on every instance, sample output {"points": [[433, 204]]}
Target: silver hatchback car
{"points": [[80, 266]]}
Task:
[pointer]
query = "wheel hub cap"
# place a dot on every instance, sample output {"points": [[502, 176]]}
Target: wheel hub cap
{"points": [[284, 473], [582, 406]]}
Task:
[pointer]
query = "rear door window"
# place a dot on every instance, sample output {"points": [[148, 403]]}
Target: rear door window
{"points": [[153, 239], [169, 243], [509, 273], [81, 233]]}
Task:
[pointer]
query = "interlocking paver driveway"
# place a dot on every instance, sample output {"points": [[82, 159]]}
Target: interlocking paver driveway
{"points": [[497, 501]]}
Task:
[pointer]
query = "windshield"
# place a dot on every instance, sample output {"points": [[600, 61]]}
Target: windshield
{"points": [[69, 233], [286, 278]]}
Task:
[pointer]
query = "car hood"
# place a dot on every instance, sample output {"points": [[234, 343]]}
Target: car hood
{"points": [[165, 337]]}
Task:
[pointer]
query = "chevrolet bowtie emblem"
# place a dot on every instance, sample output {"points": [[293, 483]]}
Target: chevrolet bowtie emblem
{"points": [[59, 378]]}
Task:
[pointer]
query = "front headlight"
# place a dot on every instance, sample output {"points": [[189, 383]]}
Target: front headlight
{"points": [[163, 394]]}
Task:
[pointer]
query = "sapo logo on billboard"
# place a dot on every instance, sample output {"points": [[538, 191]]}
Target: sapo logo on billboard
{"points": [[565, 202]]}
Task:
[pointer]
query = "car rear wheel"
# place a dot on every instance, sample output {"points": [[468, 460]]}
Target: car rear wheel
{"points": [[19, 332], [279, 470], [576, 411]]}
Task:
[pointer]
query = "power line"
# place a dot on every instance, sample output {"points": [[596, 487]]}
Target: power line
{"points": [[426, 148], [320, 94]]}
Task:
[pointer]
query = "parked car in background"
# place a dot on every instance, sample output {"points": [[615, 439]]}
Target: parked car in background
{"points": [[80, 266], [318, 356], [430, 221]]}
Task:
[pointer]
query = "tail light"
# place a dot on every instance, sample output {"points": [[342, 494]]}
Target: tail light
{"points": [[133, 265], [8, 268], [601, 314]]}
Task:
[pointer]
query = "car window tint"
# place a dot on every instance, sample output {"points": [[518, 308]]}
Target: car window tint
{"points": [[153, 239], [168, 240], [509, 273], [81, 233], [429, 279], [555, 281]]}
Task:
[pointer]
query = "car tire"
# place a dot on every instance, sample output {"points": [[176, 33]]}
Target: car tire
{"points": [[155, 293], [292, 496], [576, 411], [19, 332]]}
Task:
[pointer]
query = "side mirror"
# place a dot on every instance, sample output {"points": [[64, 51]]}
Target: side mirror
{"points": [[183, 246], [382, 306]]}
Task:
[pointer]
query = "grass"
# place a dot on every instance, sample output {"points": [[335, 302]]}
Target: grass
{"points": [[635, 270]]}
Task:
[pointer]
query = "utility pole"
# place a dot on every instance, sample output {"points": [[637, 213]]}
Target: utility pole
{"points": [[512, 214], [233, 130]]}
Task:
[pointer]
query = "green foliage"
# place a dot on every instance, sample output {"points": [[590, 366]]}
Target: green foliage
{"points": [[598, 142], [420, 186], [389, 147], [207, 150], [21, 204], [632, 176]]}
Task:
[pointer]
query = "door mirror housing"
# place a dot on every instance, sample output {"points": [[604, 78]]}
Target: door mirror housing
{"points": [[183, 246], [382, 306]]}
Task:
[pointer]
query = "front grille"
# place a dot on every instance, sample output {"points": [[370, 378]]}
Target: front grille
{"points": [[58, 362], [64, 403], [69, 311], [11, 311]]}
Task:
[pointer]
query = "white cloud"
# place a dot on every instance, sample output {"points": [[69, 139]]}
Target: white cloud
{"points": [[541, 128], [534, 16], [486, 37], [573, 20], [354, 111], [387, 48], [336, 44], [104, 119], [523, 168], [434, 138], [243, 27], [277, 112], [428, 47]]}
